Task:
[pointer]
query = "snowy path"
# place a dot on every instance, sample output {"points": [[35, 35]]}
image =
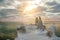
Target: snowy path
{"points": [[34, 35]]}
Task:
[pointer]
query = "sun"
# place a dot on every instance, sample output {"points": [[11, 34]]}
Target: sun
{"points": [[31, 5], [30, 8]]}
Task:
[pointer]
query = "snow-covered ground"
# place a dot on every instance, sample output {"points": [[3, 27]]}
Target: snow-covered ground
{"points": [[34, 34]]}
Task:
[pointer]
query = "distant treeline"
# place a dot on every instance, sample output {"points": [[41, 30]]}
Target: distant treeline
{"points": [[9, 25]]}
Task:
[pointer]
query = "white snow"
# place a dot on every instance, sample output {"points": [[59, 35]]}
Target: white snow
{"points": [[35, 35]]}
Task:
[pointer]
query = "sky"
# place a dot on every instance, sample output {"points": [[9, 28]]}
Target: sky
{"points": [[27, 10]]}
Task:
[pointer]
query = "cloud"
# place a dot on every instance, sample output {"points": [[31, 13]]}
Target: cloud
{"points": [[4, 13], [8, 10], [51, 3], [1, 0], [6, 2], [56, 9], [43, 8], [55, 6]]}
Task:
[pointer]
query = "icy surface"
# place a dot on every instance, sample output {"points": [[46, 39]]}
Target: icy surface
{"points": [[34, 34]]}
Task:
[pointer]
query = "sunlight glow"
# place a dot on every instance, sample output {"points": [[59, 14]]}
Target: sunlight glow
{"points": [[30, 7], [29, 10]]}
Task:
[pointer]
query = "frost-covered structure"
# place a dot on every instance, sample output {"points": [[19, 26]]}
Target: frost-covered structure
{"points": [[39, 24], [51, 30], [22, 29]]}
